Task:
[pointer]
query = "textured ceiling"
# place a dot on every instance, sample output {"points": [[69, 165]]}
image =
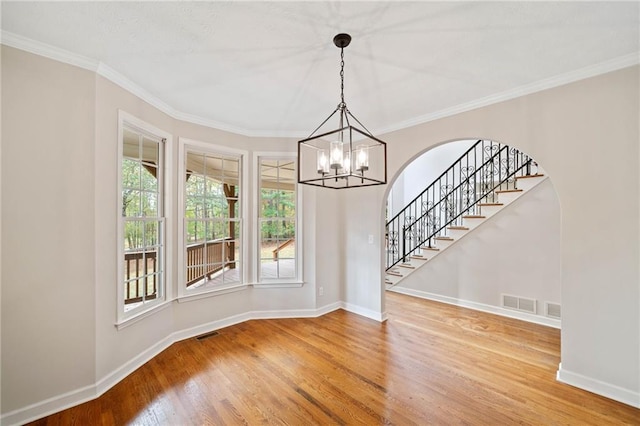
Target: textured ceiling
{"points": [[270, 68]]}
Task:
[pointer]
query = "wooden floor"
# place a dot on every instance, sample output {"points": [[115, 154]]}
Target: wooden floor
{"points": [[430, 363]]}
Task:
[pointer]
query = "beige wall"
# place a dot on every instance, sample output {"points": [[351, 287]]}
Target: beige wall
{"points": [[517, 252], [586, 135], [59, 201], [48, 320]]}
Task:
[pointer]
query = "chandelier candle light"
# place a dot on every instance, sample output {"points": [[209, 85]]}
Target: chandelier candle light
{"points": [[347, 156]]}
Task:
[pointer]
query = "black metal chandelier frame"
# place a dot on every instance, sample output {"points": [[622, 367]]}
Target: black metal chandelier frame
{"points": [[355, 159]]}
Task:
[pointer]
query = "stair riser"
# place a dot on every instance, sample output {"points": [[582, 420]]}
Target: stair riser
{"points": [[456, 233], [490, 210], [508, 197], [443, 244], [472, 223], [528, 183]]}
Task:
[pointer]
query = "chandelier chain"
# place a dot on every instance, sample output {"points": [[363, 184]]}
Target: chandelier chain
{"points": [[342, 76]]}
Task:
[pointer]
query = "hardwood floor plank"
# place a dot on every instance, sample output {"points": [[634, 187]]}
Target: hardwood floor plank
{"points": [[430, 363]]}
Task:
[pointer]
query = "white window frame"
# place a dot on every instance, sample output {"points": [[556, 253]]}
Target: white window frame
{"points": [[125, 318], [298, 280], [185, 145]]}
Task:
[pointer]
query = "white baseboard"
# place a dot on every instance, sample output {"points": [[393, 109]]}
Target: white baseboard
{"points": [[87, 393], [497, 310], [374, 315], [590, 384], [296, 313], [209, 327], [48, 406]]}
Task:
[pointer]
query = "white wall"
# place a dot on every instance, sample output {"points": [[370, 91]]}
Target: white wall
{"points": [[422, 171], [579, 132], [515, 252]]}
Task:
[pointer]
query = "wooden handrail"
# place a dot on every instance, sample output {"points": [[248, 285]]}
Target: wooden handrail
{"points": [[280, 247], [196, 265]]}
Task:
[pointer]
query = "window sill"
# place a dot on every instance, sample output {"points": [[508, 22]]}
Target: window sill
{"points": [[142, 315], [278, 284], [212, 292]]}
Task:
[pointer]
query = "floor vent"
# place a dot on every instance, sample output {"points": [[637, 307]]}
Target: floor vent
{"points": [[207, 335], [552, 310], [519, 303]]}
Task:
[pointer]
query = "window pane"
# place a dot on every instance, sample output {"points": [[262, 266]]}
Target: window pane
{"points": [[149, 177], [150, 151], [149, 204], [287, 205], [287, 268], [142, 208], [131, 206], [133, 237], [277, 218], [151, 233], [211, 193], [130, 173]]}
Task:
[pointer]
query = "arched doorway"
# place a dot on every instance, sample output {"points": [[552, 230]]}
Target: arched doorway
{"points": [[506, 261]]}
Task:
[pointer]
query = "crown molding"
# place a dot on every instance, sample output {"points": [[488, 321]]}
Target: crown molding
{"points": [[61, 55], [65, 56], [538, 86], [48, 51]]}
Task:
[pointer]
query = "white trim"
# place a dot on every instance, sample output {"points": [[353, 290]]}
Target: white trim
{"points": [[138, 316], [509, 313], [48, 51], [184, 145], [166, 293], [276, 282], [212, 292], [295, 313], [626, 396], [527, 89], [62, 55], [87, 393], [49, 406], [128, 85], [359, 310], [117, 375]]}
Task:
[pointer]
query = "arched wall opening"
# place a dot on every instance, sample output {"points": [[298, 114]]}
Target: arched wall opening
{"points": [[565, 129], [514, 253]]}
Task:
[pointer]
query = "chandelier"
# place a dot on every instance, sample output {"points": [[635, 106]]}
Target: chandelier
{"points": [[347, 156]]}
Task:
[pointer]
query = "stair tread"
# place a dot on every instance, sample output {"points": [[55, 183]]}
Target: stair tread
{"points": [[395, 274], [508, 190], [418, 256], [458, 228], [474, 216], [490, 204], [528, 176], [444, 238], [430, 248], [408, 266]]}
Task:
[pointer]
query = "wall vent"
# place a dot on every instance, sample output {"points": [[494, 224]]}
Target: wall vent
{"points": [[519, 303], [207, 335], [552, 310]]}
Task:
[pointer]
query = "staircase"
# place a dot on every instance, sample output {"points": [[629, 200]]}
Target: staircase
{"points": [[483, 181]]}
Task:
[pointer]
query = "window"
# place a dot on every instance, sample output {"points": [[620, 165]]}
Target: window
{"points": [[142, 211], [277, 219], [212, 251]]}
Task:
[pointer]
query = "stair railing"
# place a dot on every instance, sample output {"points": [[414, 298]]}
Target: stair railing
{"points": [[461, 190]]}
